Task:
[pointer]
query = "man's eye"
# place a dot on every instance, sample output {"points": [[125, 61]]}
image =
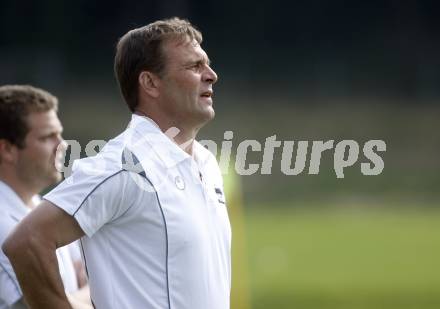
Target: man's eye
{"points": [[47, 137]]}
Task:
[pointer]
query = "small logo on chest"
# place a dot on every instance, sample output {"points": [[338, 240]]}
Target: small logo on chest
{"points": [[180, 184]]}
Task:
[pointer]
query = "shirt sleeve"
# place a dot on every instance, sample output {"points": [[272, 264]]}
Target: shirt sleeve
{"points": [[67, 270], [10, 291], [93, 197], [75, 251]]}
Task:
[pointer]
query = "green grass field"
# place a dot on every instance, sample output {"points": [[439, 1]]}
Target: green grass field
{"points": [[343, 258]]}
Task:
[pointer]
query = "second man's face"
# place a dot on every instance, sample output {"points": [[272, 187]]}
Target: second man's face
{"points": [[37, 161], [186, 87]]}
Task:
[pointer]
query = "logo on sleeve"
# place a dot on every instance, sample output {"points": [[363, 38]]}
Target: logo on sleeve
{"points": [[220, 195]]}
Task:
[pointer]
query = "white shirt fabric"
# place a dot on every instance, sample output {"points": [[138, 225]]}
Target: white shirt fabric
{"points": [[156, 224], [12, 211]]}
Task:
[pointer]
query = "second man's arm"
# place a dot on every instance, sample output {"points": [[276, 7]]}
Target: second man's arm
{"points": [[31, 250]]}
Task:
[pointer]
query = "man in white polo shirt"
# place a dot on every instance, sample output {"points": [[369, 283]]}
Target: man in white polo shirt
{"points": [[149, 208], [30, 133]]}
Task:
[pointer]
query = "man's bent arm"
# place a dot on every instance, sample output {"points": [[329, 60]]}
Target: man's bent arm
{"points": [[31, 250]]}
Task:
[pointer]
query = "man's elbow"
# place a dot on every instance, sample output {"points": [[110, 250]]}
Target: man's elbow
{"points": [[16, 244]]}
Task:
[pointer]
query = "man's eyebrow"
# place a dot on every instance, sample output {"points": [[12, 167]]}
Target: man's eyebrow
{"points": [[47, 133], [200, 60]]}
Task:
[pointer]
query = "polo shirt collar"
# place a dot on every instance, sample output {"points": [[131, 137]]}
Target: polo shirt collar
{"points": [[13, 204], [168, 151]]}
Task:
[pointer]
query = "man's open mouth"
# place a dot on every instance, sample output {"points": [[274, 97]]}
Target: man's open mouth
{"points": [[207, 94]]}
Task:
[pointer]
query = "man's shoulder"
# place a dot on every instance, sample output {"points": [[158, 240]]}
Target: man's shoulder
{"points": [[7, 224], [8, 217], [108, 161], [88, 173]]}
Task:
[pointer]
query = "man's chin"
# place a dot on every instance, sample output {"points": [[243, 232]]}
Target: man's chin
{"points": [[207, 116], [210, 112], [55, 178], [58, 177]]}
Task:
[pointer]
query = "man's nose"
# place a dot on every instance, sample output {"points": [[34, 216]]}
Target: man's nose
{"points": [[61, 144], [210, 76]]}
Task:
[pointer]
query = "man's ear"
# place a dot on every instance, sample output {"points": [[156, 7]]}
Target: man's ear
{"points": [[149, 83], [8, 151]]}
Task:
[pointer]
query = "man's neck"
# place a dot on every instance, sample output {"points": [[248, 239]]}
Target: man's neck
{"points": [[185, 142]]}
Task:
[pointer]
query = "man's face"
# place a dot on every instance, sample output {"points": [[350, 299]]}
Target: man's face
{"points": [[36, 162], [186, 87]]}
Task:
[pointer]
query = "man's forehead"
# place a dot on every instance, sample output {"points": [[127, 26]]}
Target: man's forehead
{"points": [[44, 121], [184, 50]]}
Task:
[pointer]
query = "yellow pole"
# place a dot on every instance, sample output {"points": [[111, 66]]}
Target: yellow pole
{"points": [[240, 296]]}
